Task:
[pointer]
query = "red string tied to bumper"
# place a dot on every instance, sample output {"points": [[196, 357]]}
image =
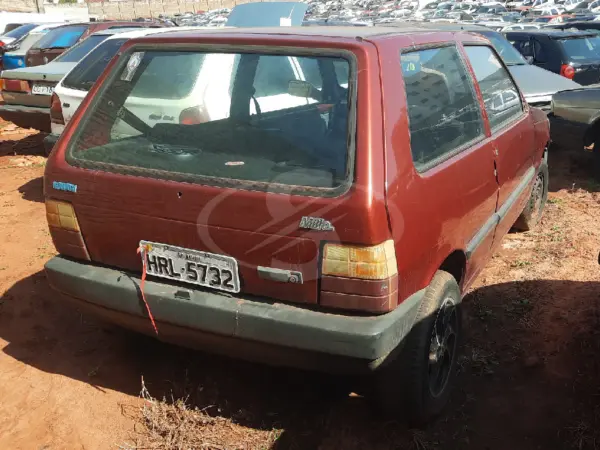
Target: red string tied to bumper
{"points": [[142, 249]]}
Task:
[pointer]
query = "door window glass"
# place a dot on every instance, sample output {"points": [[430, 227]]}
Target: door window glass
{"points": [[442, 108], [500, 95]]}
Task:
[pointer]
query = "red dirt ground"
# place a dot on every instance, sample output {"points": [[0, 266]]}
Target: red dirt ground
{"points": [[528, 375]]}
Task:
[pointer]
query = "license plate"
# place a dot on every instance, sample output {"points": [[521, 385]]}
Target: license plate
{"points": [[42, 89], [191, 266]]}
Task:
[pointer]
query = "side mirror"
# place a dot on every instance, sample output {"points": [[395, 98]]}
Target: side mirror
{"points": [[304, 89]]}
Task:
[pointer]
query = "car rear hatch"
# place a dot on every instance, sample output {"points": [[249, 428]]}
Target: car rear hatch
{"points": [[54, 43], [582, 52], [32, 86], [243, 155]]}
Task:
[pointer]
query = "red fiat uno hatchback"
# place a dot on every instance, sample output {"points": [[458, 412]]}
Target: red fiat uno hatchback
{"points": [[313, 197]]}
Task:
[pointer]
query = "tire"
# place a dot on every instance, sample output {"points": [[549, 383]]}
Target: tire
{"points": [[532, 213], [596, 163], [406, 387]]}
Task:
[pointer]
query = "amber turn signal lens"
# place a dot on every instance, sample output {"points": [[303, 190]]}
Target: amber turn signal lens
{"points": [[376, 262], [61, 215]]}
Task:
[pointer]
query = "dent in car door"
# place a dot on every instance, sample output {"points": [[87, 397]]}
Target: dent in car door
{"points": [[512, 134]]}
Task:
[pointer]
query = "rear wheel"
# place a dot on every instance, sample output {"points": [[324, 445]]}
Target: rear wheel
{"points": [[532, 213], [416, 385]]}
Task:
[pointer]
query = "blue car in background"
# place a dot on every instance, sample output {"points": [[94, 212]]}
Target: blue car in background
{"points": [[14, 56]]}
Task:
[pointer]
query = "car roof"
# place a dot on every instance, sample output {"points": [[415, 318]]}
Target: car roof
{"points": [[443, 26], [141, 32], [113, 31], [552, 33], [388, 29]]}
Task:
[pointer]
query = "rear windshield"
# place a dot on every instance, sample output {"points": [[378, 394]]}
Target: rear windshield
{"points": [[581, 49], [20, 31], [62, 37], [77, 52], [84, 75], [247, 120]]}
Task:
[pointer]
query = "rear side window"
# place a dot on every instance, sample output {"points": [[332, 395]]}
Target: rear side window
{"points": [[63, 37], [442, 108], [500, 95], [84, 75], [581, 49], [75, 53], [245, 120]]}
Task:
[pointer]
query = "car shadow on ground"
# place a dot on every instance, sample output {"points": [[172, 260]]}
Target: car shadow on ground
{"points": [[572, 169], [33, 190], [21, 142], [509, 379]]}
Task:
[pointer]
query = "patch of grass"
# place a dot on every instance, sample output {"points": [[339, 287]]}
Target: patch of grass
{"points": [[175, 424], [556, 201], [518, 264]]}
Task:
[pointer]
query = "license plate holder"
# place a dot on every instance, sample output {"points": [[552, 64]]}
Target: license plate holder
{"points": [[196, 267], [42, 89]]}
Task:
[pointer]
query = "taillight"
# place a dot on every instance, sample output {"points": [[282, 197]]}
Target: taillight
{"points": [[15, 85], [567, 71], [64, 229], [56, 114], [191, 116], [361, 278], [2, 44]]}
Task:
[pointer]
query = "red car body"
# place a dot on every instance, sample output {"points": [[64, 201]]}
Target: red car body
{"points": [[450, 218]]}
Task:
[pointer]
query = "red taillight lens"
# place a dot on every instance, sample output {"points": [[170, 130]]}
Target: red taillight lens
{"points": [[15, 85], [2, 44], [192, 116], [567, 71], [56, 114]]}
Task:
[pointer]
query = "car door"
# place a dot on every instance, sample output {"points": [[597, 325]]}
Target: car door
{"points": [[512, 134], [444, 198]]}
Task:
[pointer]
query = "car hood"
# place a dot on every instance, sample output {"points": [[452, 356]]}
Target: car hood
{"points": [[53, 71], [537, 82]]}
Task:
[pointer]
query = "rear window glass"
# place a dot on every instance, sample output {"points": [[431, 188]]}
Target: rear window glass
{"points": [[75, 53], [20, 31], [63, 37], [254, 121], [581, 49], [84, 75]]}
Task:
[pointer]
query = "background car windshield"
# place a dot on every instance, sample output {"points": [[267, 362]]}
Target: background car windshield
{"points": [[217, 118], [505, 49], [20, 31], [77, 52], [581, 49], [85, 74], [61, 37]]}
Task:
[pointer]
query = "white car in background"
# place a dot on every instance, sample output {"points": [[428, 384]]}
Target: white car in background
{"points": [[211, 87], [522, 26]]}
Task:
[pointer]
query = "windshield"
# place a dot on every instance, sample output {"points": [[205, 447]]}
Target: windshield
{"points": [[62, 37], [509, 54], [75, 53], [246, 120], [85, 74], [581, 49], [20, 31]]}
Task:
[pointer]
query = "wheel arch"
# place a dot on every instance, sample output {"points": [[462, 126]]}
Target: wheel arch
{"points": [[456, 265]]}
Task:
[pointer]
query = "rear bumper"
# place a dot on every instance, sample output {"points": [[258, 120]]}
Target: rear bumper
{"points": [[246, 328], [27, 116]]}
